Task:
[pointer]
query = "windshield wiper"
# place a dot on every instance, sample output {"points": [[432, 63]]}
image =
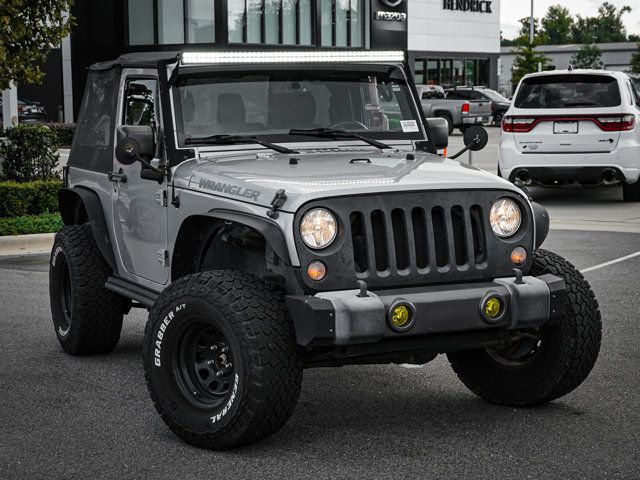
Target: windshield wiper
{"points": [[231, 139], [333, 133], [580, 104]]}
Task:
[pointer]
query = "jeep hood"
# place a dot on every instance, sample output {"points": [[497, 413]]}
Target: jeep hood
{"points": [[257, 178]]}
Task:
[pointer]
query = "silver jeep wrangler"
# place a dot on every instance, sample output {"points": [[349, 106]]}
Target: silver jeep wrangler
{"points": [[276, 211]]}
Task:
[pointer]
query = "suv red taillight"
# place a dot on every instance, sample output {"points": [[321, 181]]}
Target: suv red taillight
{"points": [[465, 108], [618, 123], [518, 124]]}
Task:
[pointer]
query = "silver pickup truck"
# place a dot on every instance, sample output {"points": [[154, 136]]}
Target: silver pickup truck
{"points": [[457, 111]]}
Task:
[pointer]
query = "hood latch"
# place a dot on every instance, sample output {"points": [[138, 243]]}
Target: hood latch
{"points": [[278, 201]]}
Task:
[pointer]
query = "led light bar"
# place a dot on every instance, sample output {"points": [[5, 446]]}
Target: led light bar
{"points": [[359, 56]]}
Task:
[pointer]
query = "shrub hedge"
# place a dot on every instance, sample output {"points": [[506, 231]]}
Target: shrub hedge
{"points": [[29, 153], [43, 223], [29, 198], [64, 132]]}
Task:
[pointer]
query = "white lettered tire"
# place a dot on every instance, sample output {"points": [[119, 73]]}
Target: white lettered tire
{"points": [[221, 362]]}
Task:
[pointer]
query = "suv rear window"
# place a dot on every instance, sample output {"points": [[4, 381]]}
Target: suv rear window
{"points": [[569, 91]]}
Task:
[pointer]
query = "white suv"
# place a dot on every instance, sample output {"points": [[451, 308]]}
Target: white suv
{"points": [[573, 126]]}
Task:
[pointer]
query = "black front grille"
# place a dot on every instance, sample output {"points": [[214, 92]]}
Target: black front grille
{"points": [[416, 238], [419, 239]]}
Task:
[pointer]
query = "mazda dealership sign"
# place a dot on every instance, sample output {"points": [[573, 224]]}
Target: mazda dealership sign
{"points": [[480, 6]]}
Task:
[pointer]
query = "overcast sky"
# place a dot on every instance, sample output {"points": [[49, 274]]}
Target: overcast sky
{"points": [[513, 10]]}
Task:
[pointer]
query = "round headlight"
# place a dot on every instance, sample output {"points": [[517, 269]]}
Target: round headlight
{"points": [[505, 217], [318, 228]]}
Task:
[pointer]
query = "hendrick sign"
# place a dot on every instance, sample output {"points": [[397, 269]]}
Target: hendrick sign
{"points": [[481, 6]]}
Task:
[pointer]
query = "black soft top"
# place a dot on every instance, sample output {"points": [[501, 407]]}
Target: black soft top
{"points": [[137, 60]]}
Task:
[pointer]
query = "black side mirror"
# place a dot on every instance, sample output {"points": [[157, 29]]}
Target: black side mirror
{"points": [[143, 134], [439, 130], [475, 138], [136, 144]]}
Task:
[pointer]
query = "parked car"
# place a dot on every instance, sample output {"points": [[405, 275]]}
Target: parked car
{"points": [[499, 104], [272, 219], [28, 112], [574, 126], [459, 112]]}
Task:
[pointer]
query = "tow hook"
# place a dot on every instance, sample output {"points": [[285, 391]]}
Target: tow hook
{"points": [[278, 200]]}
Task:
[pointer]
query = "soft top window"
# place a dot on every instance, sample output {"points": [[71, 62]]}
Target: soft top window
{"points": [[92, 147], [569, 91]]}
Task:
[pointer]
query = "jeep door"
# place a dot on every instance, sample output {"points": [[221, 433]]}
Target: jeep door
{"points": [[139, 205]]}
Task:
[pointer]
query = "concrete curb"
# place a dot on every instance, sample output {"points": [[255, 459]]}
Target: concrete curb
{"points": [[26, 244]]}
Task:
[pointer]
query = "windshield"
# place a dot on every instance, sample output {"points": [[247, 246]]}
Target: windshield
{"points": [[376, 102], [569, 91]]}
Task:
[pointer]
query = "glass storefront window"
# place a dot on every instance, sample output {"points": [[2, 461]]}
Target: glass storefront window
{"points": [[272, 21], [470, 72], [140, 14], [433, 72], [170, 22], [446, 73], [200, 21], [254, 21], [289, 22], [418, 68], [458, 72], [305, 22], [357, 10], [483, 77], [236, 20]]}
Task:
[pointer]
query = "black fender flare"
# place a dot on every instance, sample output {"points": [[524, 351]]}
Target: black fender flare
{"points": [[271, 231], [80, 205]]}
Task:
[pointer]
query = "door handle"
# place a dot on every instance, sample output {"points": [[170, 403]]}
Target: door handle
{"points": [[118, 177]]}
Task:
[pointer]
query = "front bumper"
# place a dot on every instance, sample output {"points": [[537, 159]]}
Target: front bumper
{"points": [[346, 318]]}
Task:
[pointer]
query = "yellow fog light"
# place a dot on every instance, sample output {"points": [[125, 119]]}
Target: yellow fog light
{"points": [[401, 316], [493, 308]]}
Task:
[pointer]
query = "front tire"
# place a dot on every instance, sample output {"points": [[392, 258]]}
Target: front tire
{"points": [[86, 316], [631, 192], [221, 362], [547, 363]]}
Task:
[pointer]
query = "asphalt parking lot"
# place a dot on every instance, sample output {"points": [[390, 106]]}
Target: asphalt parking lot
{"points": [[91, 417]]}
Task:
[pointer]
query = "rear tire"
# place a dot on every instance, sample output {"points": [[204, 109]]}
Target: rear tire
{"points": [[558, 357], [631, 192], [221, 361], [86, 316]]}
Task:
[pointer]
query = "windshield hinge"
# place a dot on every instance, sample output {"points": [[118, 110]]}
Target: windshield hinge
{"points": [[161, 198], [278, 200]]}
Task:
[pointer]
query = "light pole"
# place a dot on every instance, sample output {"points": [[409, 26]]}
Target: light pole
{"points": [[531, 25]]}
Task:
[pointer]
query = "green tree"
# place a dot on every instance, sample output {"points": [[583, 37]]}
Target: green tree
{"points": [[557, 26], [28, 31], [635, 62], [527, 61], [606, 27], [589, 56]]}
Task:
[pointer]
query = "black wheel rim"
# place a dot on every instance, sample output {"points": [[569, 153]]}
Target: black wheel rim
{"points": [[520, 353], [66, 297], [204, 365]]}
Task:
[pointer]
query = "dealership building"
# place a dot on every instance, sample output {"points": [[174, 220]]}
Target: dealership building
{"points": [[449, 42]]}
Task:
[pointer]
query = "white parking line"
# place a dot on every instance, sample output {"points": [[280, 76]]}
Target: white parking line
{"points": [[612, 262]]}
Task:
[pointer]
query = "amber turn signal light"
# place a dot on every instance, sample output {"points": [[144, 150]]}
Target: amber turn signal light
{"points": [[317, 270], [519, 256]]}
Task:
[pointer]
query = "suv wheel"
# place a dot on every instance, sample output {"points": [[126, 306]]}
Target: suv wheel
{"points": [[220, 359], [546, 363], [631, 192], [86, 316]]}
